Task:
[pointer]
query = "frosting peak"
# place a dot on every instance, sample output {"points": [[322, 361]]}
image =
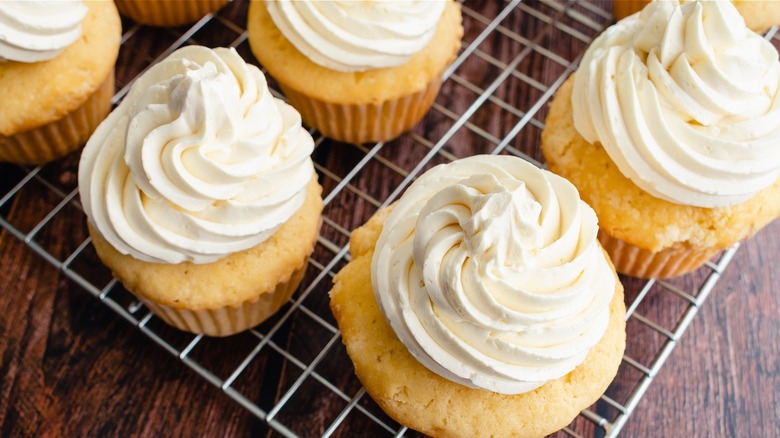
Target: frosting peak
{"points": [[489, 272], [348, 35], [197, 162], [39, 30], [686, 101], [503, 226]]}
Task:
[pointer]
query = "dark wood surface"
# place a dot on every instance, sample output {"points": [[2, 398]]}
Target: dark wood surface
{"points": [[71, 366]]}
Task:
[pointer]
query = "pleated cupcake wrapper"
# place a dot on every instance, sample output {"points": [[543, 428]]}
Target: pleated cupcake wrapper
{"points": [[167, 12], [667, 263], [229, 320], [364, 123], [56, 139]]}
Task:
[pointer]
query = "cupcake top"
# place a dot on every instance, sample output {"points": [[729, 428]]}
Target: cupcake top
{"points": [[489, 272], [349, 36], [34, 31], [686, 101], [197, 162]]}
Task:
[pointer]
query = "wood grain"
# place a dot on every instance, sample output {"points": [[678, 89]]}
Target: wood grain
{"points": [[72, 366]]}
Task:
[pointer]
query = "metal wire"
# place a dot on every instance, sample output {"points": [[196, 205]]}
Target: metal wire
{"points": [[580, 21]]}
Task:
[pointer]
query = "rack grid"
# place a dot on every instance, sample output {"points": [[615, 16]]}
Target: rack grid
{"points": [[514, 57]]}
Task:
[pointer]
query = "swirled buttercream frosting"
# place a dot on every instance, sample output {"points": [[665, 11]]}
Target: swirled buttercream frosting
{"points": [[489, 272], [686, 101], [198, 161], [348, 35], [38, 30]]}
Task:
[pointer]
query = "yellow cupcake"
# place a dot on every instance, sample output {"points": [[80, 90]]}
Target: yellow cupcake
{"points": [[357, 103], [644, 235], [167, 13], [50, 107], [231, 294], [482, 367], [205, 204], [677, 163]]}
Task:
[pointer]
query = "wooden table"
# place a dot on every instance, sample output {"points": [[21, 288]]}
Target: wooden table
{"points": [[71, 366]]}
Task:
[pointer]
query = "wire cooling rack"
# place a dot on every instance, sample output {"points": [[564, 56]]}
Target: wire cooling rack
{"points": [[514, 57]]}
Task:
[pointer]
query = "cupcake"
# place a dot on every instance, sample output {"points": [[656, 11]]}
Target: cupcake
{"points": [[357, 71], [670, 130], [167, 13], [200, 193], [481, 304], [759, 15], [56, 75]]}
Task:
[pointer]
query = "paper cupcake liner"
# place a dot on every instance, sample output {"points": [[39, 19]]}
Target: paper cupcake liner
{"points": [[56, 139], [229, 320], [364, 123], [637, 262], [166, 13]]}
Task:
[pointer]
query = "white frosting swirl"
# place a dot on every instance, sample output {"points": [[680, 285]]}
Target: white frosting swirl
{"points": [[489, 272], [686, 102], [348, 35], [197, 162], [38, 30]]}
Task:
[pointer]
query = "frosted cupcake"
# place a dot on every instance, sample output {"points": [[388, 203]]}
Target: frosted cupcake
{"points": [[759, 15], [357, 71], [481, 304], [56, 75], [200, 193], [671, 132], [166, 13]]}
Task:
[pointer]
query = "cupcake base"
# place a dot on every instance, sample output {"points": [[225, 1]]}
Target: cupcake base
{"points": [[229, 320], [666, 263], [60, 137], [364, 123], [422, 400], [167, 13]]}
